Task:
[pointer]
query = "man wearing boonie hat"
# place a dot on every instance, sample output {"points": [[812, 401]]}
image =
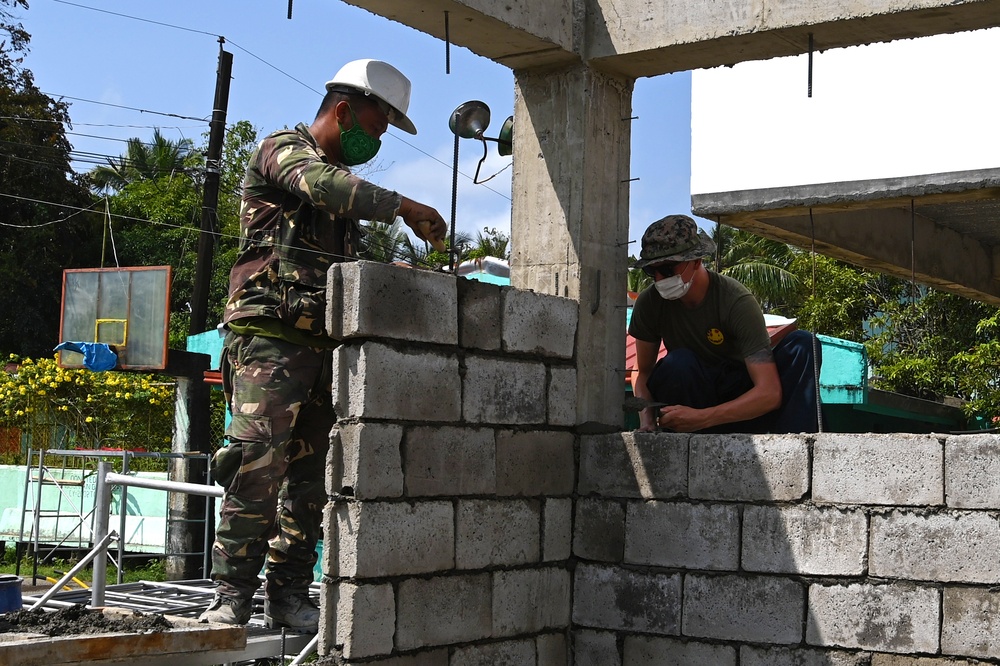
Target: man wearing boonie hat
{"points": [[720, 373], [299, 215]]}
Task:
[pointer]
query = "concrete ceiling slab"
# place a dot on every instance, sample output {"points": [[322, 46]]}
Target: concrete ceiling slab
{"points": [[940, 229]]}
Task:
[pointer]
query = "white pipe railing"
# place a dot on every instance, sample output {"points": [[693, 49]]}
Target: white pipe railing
{"points": [[102, 515]]}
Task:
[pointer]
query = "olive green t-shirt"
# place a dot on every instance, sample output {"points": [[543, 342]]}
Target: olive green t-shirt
{"points": [[728, 325]]}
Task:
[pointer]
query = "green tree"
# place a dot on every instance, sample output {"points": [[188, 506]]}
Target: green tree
{"points": [[837, 299], [915, 339], [42, 205], [761, 264], [977, 371], [157, 221], [146, 161], [384, 242], [490, 242]]}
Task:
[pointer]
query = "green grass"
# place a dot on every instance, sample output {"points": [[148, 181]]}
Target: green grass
{"points": [[136, 570]]}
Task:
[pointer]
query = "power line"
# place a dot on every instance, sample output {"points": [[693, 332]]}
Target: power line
{"points": [[399, 254], [253, 55], [120, 106], [136, 18]]}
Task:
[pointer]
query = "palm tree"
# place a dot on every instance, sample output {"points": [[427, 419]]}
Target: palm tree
{"points": [[384, 242], [425, 257], [761, 264], [490, 243], [144, 161]]}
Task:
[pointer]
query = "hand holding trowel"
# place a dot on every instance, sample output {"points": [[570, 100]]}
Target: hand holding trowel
{"points": [[426, 222]]}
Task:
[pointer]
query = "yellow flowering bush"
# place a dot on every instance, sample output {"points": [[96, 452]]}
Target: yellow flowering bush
{"points": [[77, 408]]}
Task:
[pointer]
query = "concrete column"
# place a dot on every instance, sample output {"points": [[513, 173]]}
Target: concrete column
{"points": [[569, 226]]}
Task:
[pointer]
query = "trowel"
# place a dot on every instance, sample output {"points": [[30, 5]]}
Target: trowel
{"points": [[636, 404]]}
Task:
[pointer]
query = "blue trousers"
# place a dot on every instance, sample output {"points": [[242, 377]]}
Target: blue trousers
{"points": [[681, 378]]}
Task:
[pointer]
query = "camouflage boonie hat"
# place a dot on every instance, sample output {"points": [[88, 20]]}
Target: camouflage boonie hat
{"points": [[674, 238]]}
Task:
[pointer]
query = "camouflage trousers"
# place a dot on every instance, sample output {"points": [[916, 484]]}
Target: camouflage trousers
{"points": [[273, 469]]}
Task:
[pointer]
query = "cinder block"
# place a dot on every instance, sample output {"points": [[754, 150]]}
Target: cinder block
{"points": [[925, 546], [653, 651], [478, 315], [562, 396], [757, 609], [372, 299], [897, 617], [595, 648], [624, 600], [804, 540], [329, 596], [552, 650], [535, 323], [329, 559], [749, 467], [449, 461], [557, 529], [503, 391], [429, 658], [880, 659], [491, 654], [687, 536], [443, 611], [599, 533], [366, 619], [972, 471], [364, 460], [376, 539], [375, 381], [878, 469], [971, 622], [780, 656], [532, 463], [528, 601], [634, 465], [497, 533]]}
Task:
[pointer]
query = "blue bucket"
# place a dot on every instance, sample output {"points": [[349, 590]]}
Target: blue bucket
{"points": [[10, 593]]}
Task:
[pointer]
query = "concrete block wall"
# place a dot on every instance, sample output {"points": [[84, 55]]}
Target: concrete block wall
{"points": [[447, 537], [830, 549]]}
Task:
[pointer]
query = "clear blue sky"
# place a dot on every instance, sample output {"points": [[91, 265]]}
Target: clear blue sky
{"points": [[166, 64]]}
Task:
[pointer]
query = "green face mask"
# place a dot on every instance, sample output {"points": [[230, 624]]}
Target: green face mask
{"points": [[356, 145]]}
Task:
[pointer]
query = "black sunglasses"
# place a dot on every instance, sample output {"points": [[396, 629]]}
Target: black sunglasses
{"points": [[666, 269]]}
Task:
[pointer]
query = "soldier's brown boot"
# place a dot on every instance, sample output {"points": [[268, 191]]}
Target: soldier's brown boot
{"points": [[294, 611], [226, 609]]}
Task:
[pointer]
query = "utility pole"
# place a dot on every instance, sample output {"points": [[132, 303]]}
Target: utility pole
{"points": [[210, 201], [185, 537]]}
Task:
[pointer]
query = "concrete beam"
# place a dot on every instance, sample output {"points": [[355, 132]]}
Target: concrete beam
{"points": [[635, 38], [647, 37], [878, 237], [515, 33], [570, 215]]}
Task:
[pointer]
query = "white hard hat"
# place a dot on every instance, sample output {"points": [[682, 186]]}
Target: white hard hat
{"points": [[381, 80]]}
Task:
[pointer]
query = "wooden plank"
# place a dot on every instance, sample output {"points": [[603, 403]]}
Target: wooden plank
{"points": [[185, 637]]}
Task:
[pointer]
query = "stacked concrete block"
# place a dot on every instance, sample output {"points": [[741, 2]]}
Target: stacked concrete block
{"points": [[452, 472], [832, 549], [893, 617], [891, 470]]}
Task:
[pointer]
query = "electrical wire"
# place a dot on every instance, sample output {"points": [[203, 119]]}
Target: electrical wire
{"points": [[398, 254], [255, 56], [121, 106]]}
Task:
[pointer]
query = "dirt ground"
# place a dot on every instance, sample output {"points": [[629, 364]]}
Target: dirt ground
{"points": [[78, 619]]}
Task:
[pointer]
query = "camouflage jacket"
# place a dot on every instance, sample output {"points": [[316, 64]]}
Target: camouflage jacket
{"points": [[296, 209]]}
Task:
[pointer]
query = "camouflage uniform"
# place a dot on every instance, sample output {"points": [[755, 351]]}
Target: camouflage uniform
{"points": [[298, 216]]}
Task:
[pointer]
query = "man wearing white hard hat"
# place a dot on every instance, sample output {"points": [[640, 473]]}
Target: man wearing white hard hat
{"points": [[299, 214]]}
